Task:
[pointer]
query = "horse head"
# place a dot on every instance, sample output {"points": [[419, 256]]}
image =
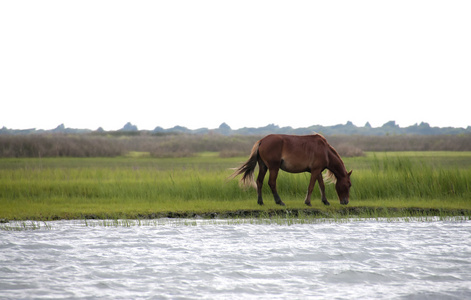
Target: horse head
{"points": [[343, 188]]}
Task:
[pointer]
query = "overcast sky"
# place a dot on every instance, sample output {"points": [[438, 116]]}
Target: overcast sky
{"points": [[247, 63]]}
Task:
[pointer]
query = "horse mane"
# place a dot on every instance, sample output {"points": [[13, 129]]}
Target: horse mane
{"points": [[329, 176]]}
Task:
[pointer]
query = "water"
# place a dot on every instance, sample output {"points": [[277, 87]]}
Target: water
{"points": [[356, 259]]}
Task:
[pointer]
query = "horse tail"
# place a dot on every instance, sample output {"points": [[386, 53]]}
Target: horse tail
{"points": [[248, 168]]}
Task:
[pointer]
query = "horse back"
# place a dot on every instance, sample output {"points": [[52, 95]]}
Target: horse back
{"points": [[294, 153]]}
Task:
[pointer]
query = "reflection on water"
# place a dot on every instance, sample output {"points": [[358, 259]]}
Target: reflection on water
{"points": [[218, 259]]}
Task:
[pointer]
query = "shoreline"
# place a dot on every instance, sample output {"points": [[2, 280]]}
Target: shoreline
{"points": [[343, 213]]}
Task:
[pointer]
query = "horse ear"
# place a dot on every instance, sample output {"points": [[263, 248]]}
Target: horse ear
{"points": [[350, 173]]}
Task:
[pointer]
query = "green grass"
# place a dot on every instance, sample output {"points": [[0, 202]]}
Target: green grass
{"points": [[140, 186]]}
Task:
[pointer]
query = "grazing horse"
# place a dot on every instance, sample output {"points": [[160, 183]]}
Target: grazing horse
{"points": [[296, 154]]}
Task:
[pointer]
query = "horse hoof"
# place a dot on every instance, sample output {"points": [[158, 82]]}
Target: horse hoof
{"points": [[260, 203], [326, 203], [308, 204], [281, 204]]}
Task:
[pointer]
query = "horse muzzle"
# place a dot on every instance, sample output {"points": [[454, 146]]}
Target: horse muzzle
{"points": [[344, 201]]}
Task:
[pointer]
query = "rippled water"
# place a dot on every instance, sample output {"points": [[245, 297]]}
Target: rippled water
{"points": [[357, 259]]}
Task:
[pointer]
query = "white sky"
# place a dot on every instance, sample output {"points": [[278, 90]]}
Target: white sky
{"points": [[247, 63]]}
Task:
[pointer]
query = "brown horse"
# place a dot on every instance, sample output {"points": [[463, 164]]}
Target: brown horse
{"points": [[296, 154]]}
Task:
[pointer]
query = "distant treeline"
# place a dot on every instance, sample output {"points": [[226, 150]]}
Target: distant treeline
{"points": [[81, 145], [181, 145], [389, 128]]}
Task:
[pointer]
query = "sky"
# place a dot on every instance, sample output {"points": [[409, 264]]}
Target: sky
{"points": [[90, 64]]}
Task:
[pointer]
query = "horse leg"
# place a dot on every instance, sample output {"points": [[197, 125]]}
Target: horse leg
{"points": [[322, 188], [272, 184], [262, 170], [312, 183]]}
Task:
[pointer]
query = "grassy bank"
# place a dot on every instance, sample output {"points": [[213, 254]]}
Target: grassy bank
{"points": [[139, 186]]}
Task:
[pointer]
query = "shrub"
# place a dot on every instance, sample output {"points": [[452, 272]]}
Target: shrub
{"points": [[184, 145]]}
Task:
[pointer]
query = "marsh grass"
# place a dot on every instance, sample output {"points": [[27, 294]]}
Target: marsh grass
{"points": [[140, 186], [25, 225], [262, 220]]}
